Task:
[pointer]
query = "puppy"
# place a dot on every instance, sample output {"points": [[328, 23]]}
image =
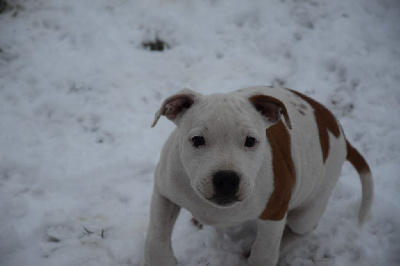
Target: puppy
{"points": [[267, 154]]}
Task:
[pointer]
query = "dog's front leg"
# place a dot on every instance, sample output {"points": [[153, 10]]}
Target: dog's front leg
{"points": [[265, 249], [163, 214]]}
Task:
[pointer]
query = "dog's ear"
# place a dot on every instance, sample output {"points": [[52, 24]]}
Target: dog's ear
{"points": [[271, 108], [175, 106]]}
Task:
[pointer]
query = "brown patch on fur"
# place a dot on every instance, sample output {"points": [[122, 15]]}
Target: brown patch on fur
{"points": [[325, 121], [356, 159], [301, 112], [284, 173]]}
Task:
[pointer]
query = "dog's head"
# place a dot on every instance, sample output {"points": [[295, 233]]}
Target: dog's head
{"points": [[222, 141]]}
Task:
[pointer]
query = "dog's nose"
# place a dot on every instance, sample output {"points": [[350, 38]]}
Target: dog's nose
{"points": [[226, 184]]}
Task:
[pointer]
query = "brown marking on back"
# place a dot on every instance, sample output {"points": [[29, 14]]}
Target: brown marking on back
{"points": [[325, 121], [356, 159], [284, 173]]}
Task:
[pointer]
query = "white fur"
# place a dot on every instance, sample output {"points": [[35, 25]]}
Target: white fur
{"points": [[183, 177]]}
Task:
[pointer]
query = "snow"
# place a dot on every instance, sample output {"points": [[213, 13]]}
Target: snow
{"points": [[78, 94]]}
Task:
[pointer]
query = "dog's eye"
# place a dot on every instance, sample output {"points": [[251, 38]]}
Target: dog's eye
{"points": [[250, 142], [198, 141]]}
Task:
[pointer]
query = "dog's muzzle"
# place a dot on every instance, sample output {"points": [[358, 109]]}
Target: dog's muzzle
{"points": [[226, 186]]}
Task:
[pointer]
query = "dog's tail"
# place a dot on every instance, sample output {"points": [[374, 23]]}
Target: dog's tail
{"points": [[367, 183]]}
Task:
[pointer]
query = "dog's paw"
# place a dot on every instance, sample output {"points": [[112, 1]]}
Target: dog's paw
{"points": [[197, 223]]}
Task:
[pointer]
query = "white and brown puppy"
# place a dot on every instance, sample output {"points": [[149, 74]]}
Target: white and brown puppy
{"points": [[233, 158]]}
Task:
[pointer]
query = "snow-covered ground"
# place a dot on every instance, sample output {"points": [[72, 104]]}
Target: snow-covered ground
{"points": [[78, 93]]}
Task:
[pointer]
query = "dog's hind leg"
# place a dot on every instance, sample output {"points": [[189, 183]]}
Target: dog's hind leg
{"points": [[305, 219], [289, 240]]}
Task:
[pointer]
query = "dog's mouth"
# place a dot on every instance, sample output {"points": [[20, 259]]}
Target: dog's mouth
{"points": [[224, 201]]}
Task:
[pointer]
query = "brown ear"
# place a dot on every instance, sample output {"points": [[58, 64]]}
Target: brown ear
{"points": [[271, 108], [174, 106]]}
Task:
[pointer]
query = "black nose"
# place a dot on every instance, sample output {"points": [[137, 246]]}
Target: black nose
{"points": [[226, 184]]}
